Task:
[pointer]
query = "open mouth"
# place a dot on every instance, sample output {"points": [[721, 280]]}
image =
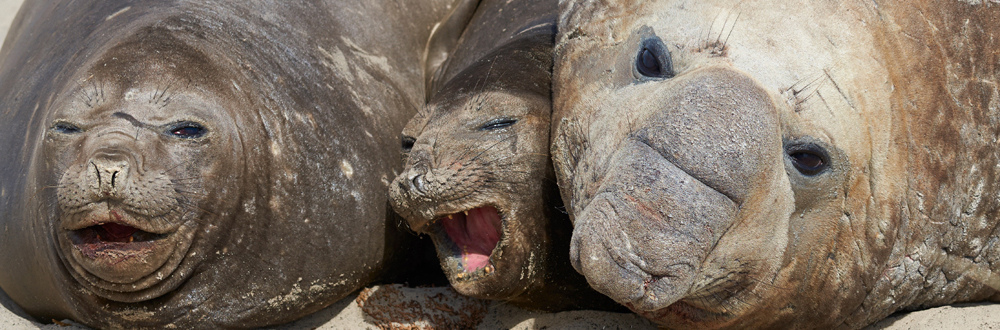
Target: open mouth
{"points": [[473, 236], [102, 238]]}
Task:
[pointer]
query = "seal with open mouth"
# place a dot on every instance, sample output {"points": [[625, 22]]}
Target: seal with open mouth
{"points": [[202, 165], [478, 179], [780, 164]]}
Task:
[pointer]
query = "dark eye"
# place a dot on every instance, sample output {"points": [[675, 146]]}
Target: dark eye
{"points": [[66, 128], [497, 124], [654, 60], [808, 162], [408, 142], [187, 130]]}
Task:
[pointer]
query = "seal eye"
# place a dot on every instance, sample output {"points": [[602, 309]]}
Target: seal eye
{"points": [[66, 128], [187, 130], [498, 123], [808, 162], [408, 142], [648, 65], [654, 60]]}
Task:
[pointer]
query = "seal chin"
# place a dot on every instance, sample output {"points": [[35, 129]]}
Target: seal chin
{"points": [[467, 241], [684, 314]]}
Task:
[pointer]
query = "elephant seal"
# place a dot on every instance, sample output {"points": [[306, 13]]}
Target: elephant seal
{"points": [[176, 164], [761, 164], [478, 179]]}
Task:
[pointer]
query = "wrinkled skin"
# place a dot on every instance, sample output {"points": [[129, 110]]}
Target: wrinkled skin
{"points": [[768, 164], [478, 179], [190, 165]]}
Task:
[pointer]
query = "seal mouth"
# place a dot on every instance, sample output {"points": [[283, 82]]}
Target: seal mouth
{"points": [[468, 240], [112, 236], [105, 238], [120, 253]]}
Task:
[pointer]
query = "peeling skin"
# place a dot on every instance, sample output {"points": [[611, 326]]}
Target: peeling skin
{"points": [[689, 203]]}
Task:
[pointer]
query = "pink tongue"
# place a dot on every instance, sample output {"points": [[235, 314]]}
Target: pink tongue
{"points": [[476, 235]]}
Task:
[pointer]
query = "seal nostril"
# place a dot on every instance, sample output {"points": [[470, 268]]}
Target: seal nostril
{"points": [[419, 183], [97, 171]]}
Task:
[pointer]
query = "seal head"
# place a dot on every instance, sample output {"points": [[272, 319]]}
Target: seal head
{"points": [[144, 159], [476, 172], [736, 165]]}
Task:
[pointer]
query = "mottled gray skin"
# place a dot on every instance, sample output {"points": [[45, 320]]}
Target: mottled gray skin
{"points": [[457, 161], [250, 144], [805, 164]]}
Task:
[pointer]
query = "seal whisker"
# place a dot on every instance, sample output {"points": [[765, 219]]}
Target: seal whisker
{"points": [[711, 26], [731, 28]]}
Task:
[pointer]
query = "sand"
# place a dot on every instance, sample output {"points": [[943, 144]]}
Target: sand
{"points": [[380, 306]]}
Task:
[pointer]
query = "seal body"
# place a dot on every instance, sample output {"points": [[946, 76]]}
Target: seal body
{"points": [[202, 165], [478, 178], [745, 165]]}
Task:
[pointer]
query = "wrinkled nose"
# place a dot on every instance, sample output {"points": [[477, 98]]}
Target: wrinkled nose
{"points": [[109, 170], [417, 169]]}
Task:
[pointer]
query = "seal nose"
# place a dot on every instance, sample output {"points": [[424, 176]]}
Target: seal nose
{"points": [[109, 170], [418, 169], [417, 182]]}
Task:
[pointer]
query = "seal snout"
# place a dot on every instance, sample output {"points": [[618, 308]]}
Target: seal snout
{"points": [[608, 258], [120, 226], [642, 247], [109, 170]]}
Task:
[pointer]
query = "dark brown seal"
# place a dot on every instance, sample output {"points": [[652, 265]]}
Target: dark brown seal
{"points": [[202, 165], [776, 164], [478, 178]]}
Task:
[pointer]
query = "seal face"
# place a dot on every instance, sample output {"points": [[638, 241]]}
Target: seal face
{"points": [[476, 171], [737, 165], [473, 189], [138, 169]]}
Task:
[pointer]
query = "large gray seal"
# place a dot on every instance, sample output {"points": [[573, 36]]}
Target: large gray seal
{"points": [[180, 164], [760, 164], [478, 178]]}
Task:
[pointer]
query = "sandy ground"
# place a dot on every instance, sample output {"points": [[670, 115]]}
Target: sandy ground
{"points": [[379, 307]]}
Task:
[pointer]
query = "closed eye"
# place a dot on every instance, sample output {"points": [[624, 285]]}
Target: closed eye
{"points": [[498, 123], [66, 128], [408, 142]]}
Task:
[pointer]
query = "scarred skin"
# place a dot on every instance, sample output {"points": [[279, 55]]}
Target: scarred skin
{"points": [[202, 165], [483, 142], [775, 164]]}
